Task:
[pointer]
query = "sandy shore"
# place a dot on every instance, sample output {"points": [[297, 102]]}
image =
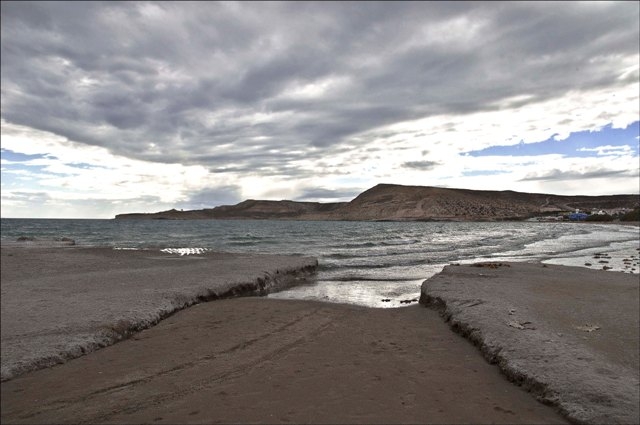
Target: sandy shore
{"points": [[618, 257], [261, 360], [569, 334]]}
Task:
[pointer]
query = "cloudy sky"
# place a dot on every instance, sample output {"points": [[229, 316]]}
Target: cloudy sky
{"points": [[140, 107]]}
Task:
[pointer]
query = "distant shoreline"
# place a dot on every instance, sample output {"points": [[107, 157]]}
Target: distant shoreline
{"points": [[386, 202]]}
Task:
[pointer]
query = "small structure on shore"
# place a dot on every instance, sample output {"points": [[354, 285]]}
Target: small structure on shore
{"points": [[578, 216]]}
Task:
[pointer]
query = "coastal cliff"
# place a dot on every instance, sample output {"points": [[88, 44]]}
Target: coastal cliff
{"points": [[410, 203]]}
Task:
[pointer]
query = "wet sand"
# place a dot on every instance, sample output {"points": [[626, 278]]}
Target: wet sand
{"points": [[613, 259], [248, 360]]}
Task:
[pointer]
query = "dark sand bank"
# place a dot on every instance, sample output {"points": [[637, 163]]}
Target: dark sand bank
{"points": [[569, 334], [278, 361], [59, 303]]}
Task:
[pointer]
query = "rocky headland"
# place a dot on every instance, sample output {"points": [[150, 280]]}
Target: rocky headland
{"points": [[411, 203]]}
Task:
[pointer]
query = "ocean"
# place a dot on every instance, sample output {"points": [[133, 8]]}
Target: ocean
{"points": [[375, 264]]}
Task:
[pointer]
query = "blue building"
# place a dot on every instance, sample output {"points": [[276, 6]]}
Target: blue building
{"points": [[578, 216]]}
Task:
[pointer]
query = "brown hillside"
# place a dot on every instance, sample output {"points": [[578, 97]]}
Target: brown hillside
{"points": [[399, 203], [394, 202]]}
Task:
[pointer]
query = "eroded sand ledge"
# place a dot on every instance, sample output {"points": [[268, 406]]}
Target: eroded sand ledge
{"points": [[59, 303], [569, 335]]}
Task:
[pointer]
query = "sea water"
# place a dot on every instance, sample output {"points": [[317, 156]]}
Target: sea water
{"points": [[376, 264]]}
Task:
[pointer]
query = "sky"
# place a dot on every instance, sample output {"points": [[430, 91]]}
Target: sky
{"points": [[120, 107]]}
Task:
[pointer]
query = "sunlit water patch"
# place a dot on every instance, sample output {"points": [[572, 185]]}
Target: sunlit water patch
{"points": [[184, 251]]}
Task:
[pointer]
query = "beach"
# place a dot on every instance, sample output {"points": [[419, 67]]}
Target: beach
{"points": [[257, 359]]}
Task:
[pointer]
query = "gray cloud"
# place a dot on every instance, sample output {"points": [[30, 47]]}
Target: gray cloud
{"points": [[322, 195], [207, 198], [188, 77], [29, 197], [558, 175], [421, 165], [42, 204]]}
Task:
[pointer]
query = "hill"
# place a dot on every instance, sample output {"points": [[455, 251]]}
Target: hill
{"points": [[410, 203]]}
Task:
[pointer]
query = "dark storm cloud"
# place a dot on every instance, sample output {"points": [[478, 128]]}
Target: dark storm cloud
{"points": [[191, 77]]}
